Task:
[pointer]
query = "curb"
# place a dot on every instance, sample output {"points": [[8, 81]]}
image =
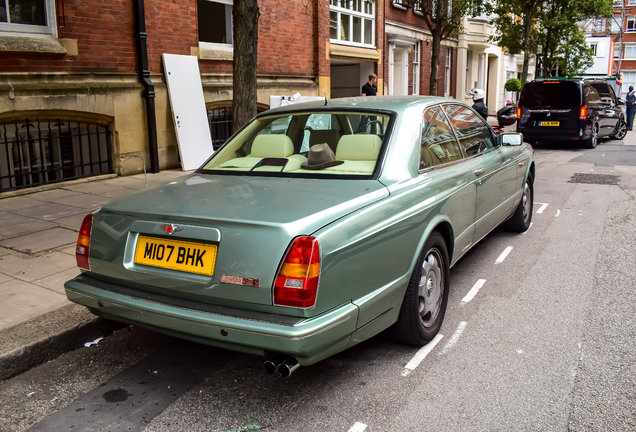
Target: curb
{"points": [[48, 336]]}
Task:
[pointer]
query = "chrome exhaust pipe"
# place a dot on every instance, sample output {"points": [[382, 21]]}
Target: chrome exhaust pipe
{"points": [[288, 367], [271, 366]]}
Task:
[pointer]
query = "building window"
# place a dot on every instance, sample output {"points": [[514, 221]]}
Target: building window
{"points": [[631, 25], [629, 79], [593, 48], [215, 21], [600, 25], [447, 72], [618, 2], [407, 4], [416, 69], [352, 22], [469, 66], [617, 50], [615, 25], [631, 2], [28, 16], [630, 52]]}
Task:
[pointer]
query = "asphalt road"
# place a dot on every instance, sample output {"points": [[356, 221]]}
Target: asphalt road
{"points": [[540, 334]]}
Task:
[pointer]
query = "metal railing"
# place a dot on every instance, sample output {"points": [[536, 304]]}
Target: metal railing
{"points": [[45, 151], [220, 121]]}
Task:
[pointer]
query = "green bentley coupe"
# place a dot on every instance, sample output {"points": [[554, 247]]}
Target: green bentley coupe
{"points": [[314, 227]]}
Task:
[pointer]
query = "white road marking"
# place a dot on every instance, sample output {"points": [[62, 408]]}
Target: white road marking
{"points": [[557, 213], [474, 290], [503, 255], [519, 351], [542, 208], [421, 355], [530, 226], [460, 329], [358, 427]]}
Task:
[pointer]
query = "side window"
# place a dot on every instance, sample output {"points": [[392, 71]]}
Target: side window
{"points": [[590, 94], [603, 92], [473, 133], [438, 142], [613, 95]]}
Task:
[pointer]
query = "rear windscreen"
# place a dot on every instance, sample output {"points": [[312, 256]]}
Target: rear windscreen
{"points": [[556, 95]]}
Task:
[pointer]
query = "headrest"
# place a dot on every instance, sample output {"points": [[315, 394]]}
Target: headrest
{"points": [[329, 136], [359, 147], [272, 145]]}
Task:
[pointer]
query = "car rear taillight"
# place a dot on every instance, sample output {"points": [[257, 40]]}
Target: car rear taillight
{"points": [[297, 281], [84, 243], [518, 112], [583, 114]]}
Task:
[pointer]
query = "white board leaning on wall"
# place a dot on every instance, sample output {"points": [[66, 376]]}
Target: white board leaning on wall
{"points": [[188, 109]]}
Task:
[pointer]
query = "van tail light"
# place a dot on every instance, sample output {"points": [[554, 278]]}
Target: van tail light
{"points": [[297, 281], [84, 243], [583, 115], [518, 112]]}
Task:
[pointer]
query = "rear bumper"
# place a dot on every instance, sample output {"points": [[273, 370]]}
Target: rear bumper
{"points": [[309, 340], [547, 133]]}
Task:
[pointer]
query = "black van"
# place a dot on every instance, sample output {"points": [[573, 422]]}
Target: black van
{"points": [[570, 110]]}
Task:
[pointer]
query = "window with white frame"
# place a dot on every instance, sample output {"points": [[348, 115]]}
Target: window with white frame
{"points": [[629, 79], [593, 47], [28, 16], [617, 50], [352, 22], [447, 72], [630, 51], [215, 21], [631, 24], [615, 25], [469, 61], [618, 2], [631, 2], [599, 25], [416, 69]]}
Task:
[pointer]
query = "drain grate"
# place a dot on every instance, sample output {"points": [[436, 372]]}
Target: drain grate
{"points": [[602, 179]]}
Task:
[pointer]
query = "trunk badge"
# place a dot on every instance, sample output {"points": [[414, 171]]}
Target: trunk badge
{"points": [[171, 228], [238, 280]]}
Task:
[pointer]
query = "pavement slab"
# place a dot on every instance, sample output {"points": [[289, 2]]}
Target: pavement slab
{"points": [[55, 195], [56, 282], [72, 222], [30, 269], [95, 188], [85, 201], [49, 211], [27, 225], [18, 203], [40, 241], [18, 294]]}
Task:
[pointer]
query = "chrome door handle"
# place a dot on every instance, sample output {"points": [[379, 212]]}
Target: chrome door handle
{"points": [[480, 171]]}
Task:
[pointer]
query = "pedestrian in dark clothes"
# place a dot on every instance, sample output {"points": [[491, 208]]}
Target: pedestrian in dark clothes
{"points": [[369, 89], [630, 101]]}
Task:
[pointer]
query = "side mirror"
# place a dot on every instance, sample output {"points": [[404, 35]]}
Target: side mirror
{"points": [[511, 139], [621, 101]]}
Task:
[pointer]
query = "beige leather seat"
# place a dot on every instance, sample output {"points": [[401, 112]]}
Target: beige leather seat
{"points": [[328, 136], [360, 153], [268, 146]]}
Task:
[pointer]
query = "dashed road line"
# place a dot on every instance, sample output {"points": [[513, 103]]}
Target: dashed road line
{"points": [[421, 355], [474, 290], [460, 329], [542, 208], [503, 255], [358, 427]]}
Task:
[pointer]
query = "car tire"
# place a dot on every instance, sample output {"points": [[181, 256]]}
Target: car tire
{"points": [[591, 142], [424, 305], [621, 130], [522, 217]]}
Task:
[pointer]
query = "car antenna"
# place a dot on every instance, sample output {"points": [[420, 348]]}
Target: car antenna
{"points": [[325, 93]]}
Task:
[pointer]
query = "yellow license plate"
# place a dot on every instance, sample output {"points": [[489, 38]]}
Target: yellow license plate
{"points": [[176, 255], [549, 123]]}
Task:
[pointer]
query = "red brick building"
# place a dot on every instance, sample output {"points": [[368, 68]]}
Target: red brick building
{"points": [[625, 21], [80, 79]]}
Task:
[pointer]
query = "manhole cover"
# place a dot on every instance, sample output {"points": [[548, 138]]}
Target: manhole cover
{"points": [[603, 179]]}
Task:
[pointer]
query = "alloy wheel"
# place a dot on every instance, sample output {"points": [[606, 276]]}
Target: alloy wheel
{"points": [[431, 287], [622, 130]]}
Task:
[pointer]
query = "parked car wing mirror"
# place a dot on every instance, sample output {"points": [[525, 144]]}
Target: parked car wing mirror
{"points": [[511, 139], [621, 101]]}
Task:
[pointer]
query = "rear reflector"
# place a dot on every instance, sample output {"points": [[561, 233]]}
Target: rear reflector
{"points": [[84, 243], [583, 115], [518, 112], [297, 281]]}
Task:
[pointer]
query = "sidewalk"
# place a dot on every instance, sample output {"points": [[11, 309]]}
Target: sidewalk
{"points": [[38, 232]]}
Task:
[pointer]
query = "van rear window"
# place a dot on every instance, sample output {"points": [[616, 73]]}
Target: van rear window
{"points": [[554, 95]]}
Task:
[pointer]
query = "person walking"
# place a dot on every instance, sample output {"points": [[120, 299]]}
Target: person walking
{"points": [[630, 101], [369, 89]]}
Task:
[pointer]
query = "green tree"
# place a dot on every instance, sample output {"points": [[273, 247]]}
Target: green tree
{"points": [[513, 85], [444, 19], [515, 22], [245, 15], [562, 41]]}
